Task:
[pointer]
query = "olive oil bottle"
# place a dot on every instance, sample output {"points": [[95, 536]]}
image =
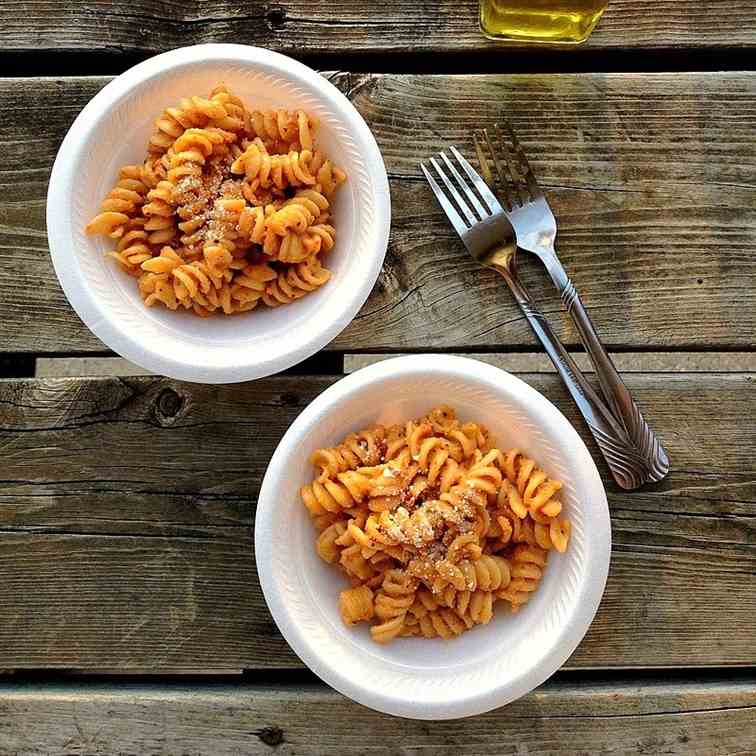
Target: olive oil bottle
{"points": [[540, 20]]}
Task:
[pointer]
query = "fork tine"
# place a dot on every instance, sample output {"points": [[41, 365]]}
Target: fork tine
{"points": [[448, 208], [530, 179], [488, 196], [471, 218], [485, 168], [469, 193], [495, 158], [520, 196], [504, 182]]}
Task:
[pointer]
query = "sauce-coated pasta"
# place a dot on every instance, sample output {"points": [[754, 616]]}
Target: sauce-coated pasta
{"points": [[432, 525], [231, 208]]}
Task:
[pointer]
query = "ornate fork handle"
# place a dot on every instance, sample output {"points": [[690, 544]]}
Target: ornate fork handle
{"points": [[624, 409], [619, 451]]}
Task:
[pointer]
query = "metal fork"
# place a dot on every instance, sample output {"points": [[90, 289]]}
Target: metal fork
{"points": [[535, 227], [486, 232]]}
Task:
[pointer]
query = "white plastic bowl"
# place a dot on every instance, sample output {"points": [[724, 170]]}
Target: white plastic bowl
{"points": [[113, 130], [490, 665]]}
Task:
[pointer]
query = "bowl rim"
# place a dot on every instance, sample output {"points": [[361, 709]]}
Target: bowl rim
{"points": [[95, 314], [570, 634]]}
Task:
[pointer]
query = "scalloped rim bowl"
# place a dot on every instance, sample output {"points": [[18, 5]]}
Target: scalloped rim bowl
{"points": [[491, 665], [113, 130]]}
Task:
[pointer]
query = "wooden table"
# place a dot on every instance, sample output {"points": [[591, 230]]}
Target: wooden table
{"points": [[131, 619]]}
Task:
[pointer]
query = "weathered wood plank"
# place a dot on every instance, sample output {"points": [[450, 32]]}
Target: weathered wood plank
{"points": [[126, 508], [346, 27], [714, 718], [653, 179], [91, 367], [135, 603]]}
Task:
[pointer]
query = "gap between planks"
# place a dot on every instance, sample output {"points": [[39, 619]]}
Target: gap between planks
{"points": [[626, 362], [527, 362], [27, 64]]}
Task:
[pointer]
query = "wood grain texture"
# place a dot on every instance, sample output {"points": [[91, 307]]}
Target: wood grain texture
{"points": [[347, 27], [695, 719], [652, 178], [126, 508]]}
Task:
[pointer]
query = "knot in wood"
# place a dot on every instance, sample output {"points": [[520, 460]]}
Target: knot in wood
{"points": [[169, 404], [276, 17], [272, 736]]}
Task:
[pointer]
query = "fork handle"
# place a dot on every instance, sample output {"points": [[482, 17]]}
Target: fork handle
{"points": [[612, 439], [616, 395]]}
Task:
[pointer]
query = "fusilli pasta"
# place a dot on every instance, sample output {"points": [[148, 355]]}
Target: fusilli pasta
{"points": [[230, 209], [432, 524]]}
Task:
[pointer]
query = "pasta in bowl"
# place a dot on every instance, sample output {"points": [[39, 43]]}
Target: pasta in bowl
{"points": [[420, 566], [224, 179], [432, 524], [224, 195]]}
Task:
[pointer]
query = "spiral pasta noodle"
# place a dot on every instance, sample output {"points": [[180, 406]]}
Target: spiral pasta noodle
{"points": [[362, 449], [242, 200], [260, 168], [432, 525], [429, 619], [356, 605], [528, 563], [133, 248], [194, 112], [295, 282], [169, 280], [393, 601], [281, 126], [122, 204]]}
